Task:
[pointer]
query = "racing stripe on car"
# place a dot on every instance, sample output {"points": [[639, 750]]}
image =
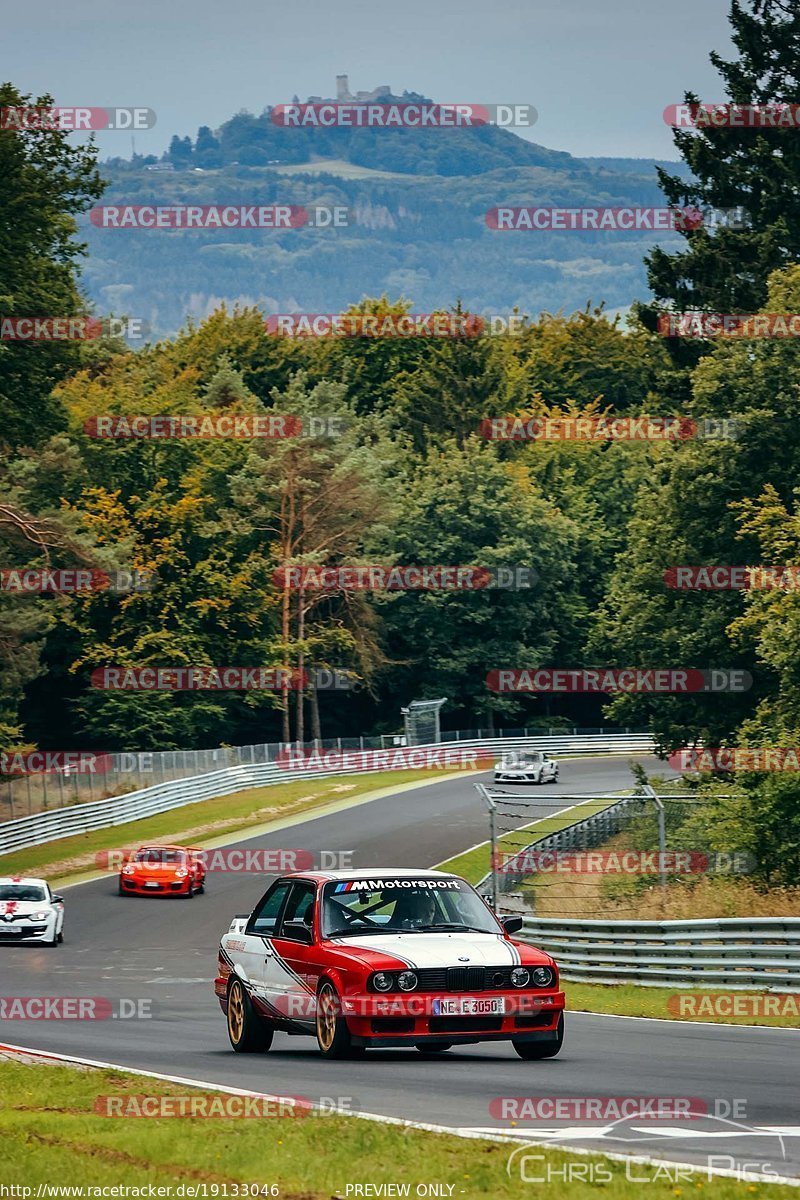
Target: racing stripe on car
{"points": [[516, 958], [252, 991], [392, 954], [260, 1000], [283, 963], [278, 959]]}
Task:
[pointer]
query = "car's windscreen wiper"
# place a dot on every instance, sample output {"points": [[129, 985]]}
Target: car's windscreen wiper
{"points": [[350, 932], [453, 927]]}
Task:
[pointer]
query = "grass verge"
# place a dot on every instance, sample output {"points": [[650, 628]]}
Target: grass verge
{"points": [[473, 864], [199, 824], [633, 1000], [51, 1134]]}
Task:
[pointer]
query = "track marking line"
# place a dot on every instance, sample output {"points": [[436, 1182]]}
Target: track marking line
{"points": [[588, 1012], [378, 1118]]}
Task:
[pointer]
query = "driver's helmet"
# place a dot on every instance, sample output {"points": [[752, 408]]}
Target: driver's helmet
{"points": [[414, 908]]}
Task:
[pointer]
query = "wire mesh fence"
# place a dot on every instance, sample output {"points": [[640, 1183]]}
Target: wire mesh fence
{"points": [[613, 853], [117, 774]]}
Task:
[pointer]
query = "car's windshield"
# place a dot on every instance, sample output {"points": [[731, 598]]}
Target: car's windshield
{"points": [[522, 758], [398, 905], [158, 855], [24, 892]]}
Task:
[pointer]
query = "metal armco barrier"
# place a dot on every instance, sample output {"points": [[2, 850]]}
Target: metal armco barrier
{"points": [[732, 952], [101, 814]]}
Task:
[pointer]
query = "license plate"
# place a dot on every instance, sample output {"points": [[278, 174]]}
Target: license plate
{"points": [[152, 885], [472, 1006]]}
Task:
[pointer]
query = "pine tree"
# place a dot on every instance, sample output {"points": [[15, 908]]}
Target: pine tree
{"points": [[226, 386], [726, 270], [45, 183]]}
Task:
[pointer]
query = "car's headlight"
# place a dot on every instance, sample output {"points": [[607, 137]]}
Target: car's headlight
{"points": [[40, 916], [519, 976], [181, 873], [543, 976], [382, 981], [407, 981], [129, 870]]}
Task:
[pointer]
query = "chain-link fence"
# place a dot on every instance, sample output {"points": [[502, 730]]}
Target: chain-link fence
{"points": [[116, 774], [579, 855]]}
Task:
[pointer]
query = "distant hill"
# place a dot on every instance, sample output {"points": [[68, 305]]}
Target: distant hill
{"points": [[258, 141], [638, 166], [417, 199]]}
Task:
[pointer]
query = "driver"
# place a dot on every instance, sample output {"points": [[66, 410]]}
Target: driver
{"points": [[414, 910]]}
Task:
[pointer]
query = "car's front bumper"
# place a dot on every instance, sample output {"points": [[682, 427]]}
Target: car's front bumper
{"points": [[163, 887], [504, 778], [18, 932], [397, 1020]]}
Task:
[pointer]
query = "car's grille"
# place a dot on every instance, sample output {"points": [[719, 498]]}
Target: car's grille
{"points": [[465, 1024], [389, 1025], [463, 979], [20, 931]]}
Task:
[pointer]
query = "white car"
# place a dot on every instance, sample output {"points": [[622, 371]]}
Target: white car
{"points": [[526, 766], [29, 912]]}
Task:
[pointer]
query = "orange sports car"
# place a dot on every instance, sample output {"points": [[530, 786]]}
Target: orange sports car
{"points": [[163, 871]]}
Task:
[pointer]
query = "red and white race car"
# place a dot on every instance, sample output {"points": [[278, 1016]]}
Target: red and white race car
{"points": [[29, 911], [385, 958]]}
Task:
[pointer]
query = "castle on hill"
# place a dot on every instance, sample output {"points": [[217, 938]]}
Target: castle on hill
{"points": [[345, 96]]}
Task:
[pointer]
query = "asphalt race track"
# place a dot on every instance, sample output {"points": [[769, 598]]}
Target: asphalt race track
{"points": [[165, 951]]}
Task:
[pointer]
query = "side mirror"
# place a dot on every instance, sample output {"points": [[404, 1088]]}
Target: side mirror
{"points": [[511, 924], [298, 931], [58, 899]]}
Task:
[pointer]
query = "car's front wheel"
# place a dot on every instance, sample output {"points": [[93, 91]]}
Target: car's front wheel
{"points": [[248, 1032], [333, 1036], [533, 1050]]}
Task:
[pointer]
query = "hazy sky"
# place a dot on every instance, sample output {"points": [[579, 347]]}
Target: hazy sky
{"points": [[600, 74]]}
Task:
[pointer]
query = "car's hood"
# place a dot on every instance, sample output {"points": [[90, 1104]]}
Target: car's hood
{"points": [[22, 908], [435, 949]]}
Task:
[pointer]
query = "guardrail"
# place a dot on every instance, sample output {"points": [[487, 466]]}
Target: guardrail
{"points": [[116, 773], [101, 814], [737, 952]]}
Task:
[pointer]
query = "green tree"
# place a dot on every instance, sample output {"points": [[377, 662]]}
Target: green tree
{"points": [[44, 184], [309, 500], [461, 506], [755, 169], [689, 512]]}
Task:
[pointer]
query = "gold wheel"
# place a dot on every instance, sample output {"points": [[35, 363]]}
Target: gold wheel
{"points": [[236, 1013], [326, 1018]]}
